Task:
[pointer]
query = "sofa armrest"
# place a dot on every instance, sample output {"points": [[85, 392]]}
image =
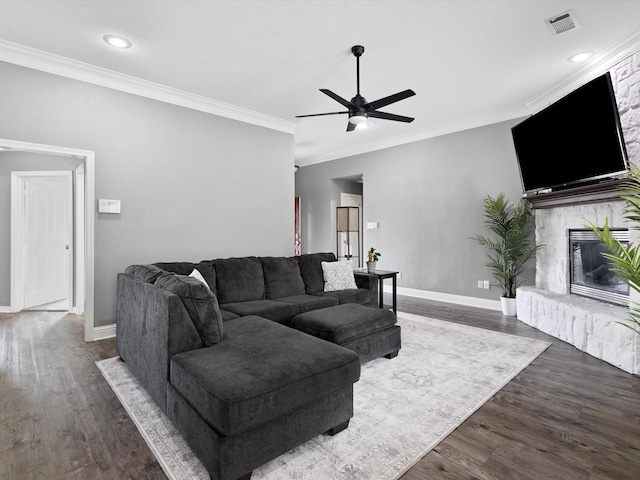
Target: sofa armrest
{"points": [[152, 325], [369, 282]]}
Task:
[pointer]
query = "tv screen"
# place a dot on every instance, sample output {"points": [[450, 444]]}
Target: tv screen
{"points": [[574, 141]]}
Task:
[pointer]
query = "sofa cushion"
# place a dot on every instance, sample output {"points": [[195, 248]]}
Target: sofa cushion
{"points": [[279, 312], [239, 280], [268, 371], [181, 268], [200, 303], [311, 270], [309, 302], [338, 276], [361, 296], [208, 271], [282, 277], [227, 315], [146, 273]]}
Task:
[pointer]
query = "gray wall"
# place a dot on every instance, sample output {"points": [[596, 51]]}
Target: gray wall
{"points": [[11, 162], [427, 197], [193, 186]]}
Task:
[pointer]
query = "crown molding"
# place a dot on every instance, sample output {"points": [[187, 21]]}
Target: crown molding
{"points": [[598, 65], [65, 67]]}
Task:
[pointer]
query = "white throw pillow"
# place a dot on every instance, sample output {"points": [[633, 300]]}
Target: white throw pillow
{"points": [[197, 275], [338, 276]]}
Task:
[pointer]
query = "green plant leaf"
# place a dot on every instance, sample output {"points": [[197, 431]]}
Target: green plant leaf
{"points": [[625, 259]]}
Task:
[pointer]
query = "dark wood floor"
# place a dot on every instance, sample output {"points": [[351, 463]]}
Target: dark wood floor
{"points": [[566, 416]]}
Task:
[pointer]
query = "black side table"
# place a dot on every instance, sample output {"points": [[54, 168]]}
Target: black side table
{"points": [[380, 276]]}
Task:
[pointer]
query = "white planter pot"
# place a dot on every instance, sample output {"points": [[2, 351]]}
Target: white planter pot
{"points": [[508, 306], [371, 267]]}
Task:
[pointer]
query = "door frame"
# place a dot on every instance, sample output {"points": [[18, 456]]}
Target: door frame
{"points": [[348, 200], [18, 222], [84, 217]]}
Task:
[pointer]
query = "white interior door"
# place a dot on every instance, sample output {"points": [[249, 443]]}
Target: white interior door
{"points": [[47, 237]]}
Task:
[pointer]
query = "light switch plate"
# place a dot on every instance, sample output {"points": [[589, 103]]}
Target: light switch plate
{"points": [[108, 206]]}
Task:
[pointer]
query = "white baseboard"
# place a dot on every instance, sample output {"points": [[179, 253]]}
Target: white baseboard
{"points": [[447, 297], [5, 309], [105, 331]]}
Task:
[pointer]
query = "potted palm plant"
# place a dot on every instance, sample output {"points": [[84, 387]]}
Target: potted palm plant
{"points": [[510, 247], [373, 257], [626, 258]]}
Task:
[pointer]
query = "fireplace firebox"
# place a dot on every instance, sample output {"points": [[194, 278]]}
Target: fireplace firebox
{"points": [[591, 274]]}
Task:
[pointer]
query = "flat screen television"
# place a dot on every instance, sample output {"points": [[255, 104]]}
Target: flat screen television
{"points": [[574, 141]]}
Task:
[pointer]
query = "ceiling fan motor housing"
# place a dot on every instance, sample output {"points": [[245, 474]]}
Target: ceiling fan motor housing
{"points": [[358, 114]]}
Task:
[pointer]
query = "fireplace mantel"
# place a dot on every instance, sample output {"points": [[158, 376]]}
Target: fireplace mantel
{"points": [[605, 191]]}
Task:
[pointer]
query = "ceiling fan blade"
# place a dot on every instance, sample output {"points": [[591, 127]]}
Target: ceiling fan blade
{"points": [[320, 114], [396, 97], [350, 127], [337, 98], [390, 116]]}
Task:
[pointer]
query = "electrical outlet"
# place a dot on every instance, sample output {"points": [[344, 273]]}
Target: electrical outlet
{"points": [[399, 275], [480, 284], [486, 284]]}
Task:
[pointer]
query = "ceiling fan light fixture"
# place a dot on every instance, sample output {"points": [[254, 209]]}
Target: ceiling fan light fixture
{"points": [[358, 120]]}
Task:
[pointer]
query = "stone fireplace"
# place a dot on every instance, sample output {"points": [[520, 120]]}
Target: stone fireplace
{"points": [[590, 325]]}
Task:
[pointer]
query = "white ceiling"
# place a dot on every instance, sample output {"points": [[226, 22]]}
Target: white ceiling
{"points": [[470, 62]]}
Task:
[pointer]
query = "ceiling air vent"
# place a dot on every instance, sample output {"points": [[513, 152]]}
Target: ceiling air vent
{"points": [[562, 23]]}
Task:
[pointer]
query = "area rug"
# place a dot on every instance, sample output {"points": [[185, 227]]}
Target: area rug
{"points": [[402, 407]]}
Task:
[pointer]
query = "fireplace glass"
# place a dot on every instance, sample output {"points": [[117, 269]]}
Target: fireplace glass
{"points": [[591, 274]]}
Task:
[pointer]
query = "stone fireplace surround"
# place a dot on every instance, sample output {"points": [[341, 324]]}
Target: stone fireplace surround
{"points": [[590, 325]]}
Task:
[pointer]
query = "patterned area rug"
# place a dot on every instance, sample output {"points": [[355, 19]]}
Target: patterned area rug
{"points": [[402, 407]]}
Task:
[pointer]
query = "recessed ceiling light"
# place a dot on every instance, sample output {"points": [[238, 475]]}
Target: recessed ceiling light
{"points": [[116, 41], [580, 57]]}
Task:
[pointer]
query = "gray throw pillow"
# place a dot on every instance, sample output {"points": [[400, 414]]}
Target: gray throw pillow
{"points": [[200, 302], [146, 273]]}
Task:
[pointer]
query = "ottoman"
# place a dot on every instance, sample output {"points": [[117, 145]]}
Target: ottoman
{"points": [[370, 332]]}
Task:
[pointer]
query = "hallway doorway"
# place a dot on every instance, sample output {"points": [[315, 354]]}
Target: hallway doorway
{"points": [[83, 217]]}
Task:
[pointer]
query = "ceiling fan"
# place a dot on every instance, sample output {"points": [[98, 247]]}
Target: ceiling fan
{"points": [[358, 108]]}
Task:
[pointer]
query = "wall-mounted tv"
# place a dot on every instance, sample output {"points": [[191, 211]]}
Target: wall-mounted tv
{"points": [[574, 141]]}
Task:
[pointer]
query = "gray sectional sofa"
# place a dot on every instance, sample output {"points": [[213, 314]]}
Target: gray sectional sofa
{"points": [[222, 362]]}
